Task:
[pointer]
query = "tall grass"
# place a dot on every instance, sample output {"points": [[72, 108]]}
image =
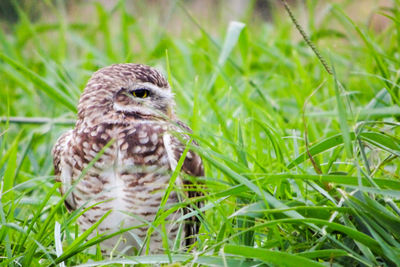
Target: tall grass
{"points": [[302, 167]]}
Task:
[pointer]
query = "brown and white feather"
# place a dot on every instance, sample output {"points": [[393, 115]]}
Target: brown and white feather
{"points": [[131, 176]]}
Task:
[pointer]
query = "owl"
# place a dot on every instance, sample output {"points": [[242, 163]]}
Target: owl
{"points": [[120, 156]]}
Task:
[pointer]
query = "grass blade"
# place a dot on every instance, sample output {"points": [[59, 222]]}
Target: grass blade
{"points": [[270, 256]]}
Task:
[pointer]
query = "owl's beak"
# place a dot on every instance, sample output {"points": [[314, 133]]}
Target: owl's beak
{"points": [[169, 112]]}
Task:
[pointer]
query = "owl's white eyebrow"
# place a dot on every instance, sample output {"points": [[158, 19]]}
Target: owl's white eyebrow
{"points": [[165, 93]]}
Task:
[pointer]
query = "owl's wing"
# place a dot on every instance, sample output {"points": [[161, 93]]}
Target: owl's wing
{"points": [[193, 166], [62, 171]]}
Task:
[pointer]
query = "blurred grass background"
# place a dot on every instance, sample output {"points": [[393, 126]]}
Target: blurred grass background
{"points": [[302, 167]]}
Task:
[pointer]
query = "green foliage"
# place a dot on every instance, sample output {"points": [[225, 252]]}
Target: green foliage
{"points": [[243, 87]]}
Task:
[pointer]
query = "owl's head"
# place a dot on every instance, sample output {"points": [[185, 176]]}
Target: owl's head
{"points": [[126, 91]]}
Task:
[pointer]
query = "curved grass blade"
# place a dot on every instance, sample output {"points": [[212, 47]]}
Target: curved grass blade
{"points": [[269, 256], [325, 253], [380, 140], [41, 83]]}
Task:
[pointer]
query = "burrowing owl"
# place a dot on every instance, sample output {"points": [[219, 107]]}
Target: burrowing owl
{"points": [[130, 108]]}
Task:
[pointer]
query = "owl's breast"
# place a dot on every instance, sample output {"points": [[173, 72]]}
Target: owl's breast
{"points": [[136, 161], [130, 176], [142, 165]]}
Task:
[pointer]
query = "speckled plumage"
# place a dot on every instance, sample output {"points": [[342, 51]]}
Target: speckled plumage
{"points": [[131, 175]]}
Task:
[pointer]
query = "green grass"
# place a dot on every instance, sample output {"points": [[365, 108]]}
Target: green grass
{"points": [[252, 92]]}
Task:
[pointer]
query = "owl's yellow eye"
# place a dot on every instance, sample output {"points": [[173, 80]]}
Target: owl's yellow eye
{"points": [[141, 93]]}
